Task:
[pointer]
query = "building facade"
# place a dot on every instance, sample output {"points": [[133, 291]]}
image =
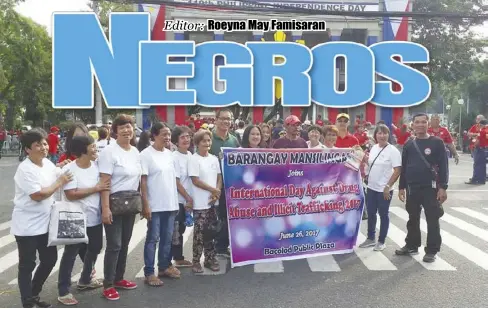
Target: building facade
{"points": [[362, 30]]}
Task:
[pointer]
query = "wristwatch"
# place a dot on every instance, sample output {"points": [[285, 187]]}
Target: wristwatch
{"points": [[387, 186]]}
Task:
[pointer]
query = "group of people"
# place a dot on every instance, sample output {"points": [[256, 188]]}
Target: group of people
{"points": [[176, 172]]}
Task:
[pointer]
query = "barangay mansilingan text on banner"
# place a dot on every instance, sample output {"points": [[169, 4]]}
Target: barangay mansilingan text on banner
{"points": [[246, 25]]}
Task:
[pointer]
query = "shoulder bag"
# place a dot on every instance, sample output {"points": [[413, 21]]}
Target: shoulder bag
{"points": [[126, 203]]}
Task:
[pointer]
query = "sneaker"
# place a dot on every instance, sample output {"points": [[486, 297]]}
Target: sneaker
{"points": [[367, 243], [379, 246], [125, 284], [94, 284], [111, 294], [407, 251], [183, 263], [429, 258]]}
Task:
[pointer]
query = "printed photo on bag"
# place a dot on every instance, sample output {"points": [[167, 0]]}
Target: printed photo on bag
{"points": [[71, 225]]}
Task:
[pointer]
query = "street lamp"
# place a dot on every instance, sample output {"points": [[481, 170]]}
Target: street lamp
{"points": [[448, 108], [461, 103]]}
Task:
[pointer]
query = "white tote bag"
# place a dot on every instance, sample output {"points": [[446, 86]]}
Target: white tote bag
{"points": [[68, 223]]}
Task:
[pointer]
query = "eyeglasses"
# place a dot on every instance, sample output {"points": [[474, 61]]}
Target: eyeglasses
{"points": [[225, 119]]}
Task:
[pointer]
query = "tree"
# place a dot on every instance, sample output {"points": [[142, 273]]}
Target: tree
{"points": [[450, 42], [25, 55]]}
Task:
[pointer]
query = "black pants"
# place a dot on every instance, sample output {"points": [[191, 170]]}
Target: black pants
{"points": [[426, 198], [30, 287], [118, 235], [95, 243], [222, 238], [180, 228]]}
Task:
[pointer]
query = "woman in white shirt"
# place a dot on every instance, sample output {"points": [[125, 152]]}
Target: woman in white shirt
{"points": [[160, 204], [205, 174], [384, 166], [314, 134], [121, 165], [181, 137], [36, 180], [103, 139], [252, 137], [84, 189]]}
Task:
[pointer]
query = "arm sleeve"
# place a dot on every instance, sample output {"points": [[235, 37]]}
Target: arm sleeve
{"points": [[145, 163], [105, 162], [443, 165], [176, 167], [403, 180], [448, 138], [193, 167], [396, 158], [73, 184], [28, 181]]}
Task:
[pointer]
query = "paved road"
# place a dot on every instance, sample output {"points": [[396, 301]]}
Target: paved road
{"points": [[459, 278]]}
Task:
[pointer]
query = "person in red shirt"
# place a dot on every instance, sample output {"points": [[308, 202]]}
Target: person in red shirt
{"points": [[198, 122], [479, 154], [3, 137], [474, 131], [362, 136], [319, 121], [53, 142], [402, 134], [344, 138], [435, 129]]}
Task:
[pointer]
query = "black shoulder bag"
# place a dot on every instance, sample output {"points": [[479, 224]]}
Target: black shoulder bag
{"points": [[435, 176], [366, 178]]}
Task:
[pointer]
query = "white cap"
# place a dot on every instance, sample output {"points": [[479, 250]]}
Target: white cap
{"points": [[307, 122]]}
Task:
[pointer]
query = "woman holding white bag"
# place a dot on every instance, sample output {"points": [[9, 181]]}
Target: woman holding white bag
{"points": [[85, 190], [36, 181]]}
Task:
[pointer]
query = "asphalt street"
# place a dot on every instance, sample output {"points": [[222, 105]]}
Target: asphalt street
{"points": [[459, 277]]}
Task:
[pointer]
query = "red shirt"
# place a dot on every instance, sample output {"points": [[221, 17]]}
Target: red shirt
{"points": [[63, 157], [484, 137], [473, 129], [362, 137], [442, 133], [348, 141], [402, 137], [198, 123], [319, 122], [53, 141], [2, 135]]}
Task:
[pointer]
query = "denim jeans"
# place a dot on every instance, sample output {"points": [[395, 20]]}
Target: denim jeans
{"points": [[29, 286], [118, 236], [95, 243], [159, 228], [479, 165], [376, 203]]}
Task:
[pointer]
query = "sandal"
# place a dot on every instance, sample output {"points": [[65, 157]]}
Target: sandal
{"points": [[68, 300], [152, 280], [213, 265], [197, 268]]}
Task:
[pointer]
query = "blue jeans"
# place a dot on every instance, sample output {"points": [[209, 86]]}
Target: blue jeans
{"points": [[376, 203], [479, 165], [160, 228]]}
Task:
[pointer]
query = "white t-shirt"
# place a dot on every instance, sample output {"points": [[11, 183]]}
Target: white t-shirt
{"points": [[84, 178], [320, 145], [123, 165], [162, 193], [102, 144], [31, 218], [181, 165], [207, 170], [380, 173]]}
